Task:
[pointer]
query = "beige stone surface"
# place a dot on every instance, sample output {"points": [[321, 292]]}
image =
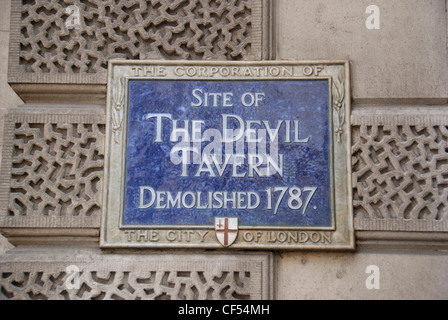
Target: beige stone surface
{"points": [[4, 15], [402, 275], [405, 59], [8, 98], [4, 245]]}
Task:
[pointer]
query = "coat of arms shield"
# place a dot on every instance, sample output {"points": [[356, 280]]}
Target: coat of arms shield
{"points": [[226, 230]]}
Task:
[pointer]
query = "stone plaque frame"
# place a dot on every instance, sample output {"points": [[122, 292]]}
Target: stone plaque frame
{"points": [[339, 236]]}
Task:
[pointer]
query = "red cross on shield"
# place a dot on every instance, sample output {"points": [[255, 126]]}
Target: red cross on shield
{"points": [[226, 230]]}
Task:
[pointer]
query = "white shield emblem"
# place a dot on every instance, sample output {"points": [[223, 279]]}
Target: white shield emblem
{"points": [[226, 230]]}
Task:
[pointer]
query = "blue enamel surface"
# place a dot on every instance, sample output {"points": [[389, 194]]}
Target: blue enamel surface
{"points": [[305, 165]]}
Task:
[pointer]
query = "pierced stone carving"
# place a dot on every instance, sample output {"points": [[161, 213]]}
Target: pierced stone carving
{"points": [[127, 277], [53, 170], [80, 36], [112, 285], [56, 169], [55, 43], [400, 171]]}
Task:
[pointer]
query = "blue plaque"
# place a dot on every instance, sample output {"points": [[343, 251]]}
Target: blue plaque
{"points": [[295, 112], [231, 155]]}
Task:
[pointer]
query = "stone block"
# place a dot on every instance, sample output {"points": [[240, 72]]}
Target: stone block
{"points": [[4, 245], [400, 165], [404, 60], [52, 173], [57, 43], [9, 97], [342, 276], [92, 275]]}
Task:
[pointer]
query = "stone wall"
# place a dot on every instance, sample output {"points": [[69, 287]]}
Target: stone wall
{"points": [[53, 145], [399, 92], [8, 97]]}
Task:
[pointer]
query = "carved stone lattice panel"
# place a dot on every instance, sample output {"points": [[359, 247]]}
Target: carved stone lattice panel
{"points": [[71, 41], [400, 169], [99, 276], [52, 168]]}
